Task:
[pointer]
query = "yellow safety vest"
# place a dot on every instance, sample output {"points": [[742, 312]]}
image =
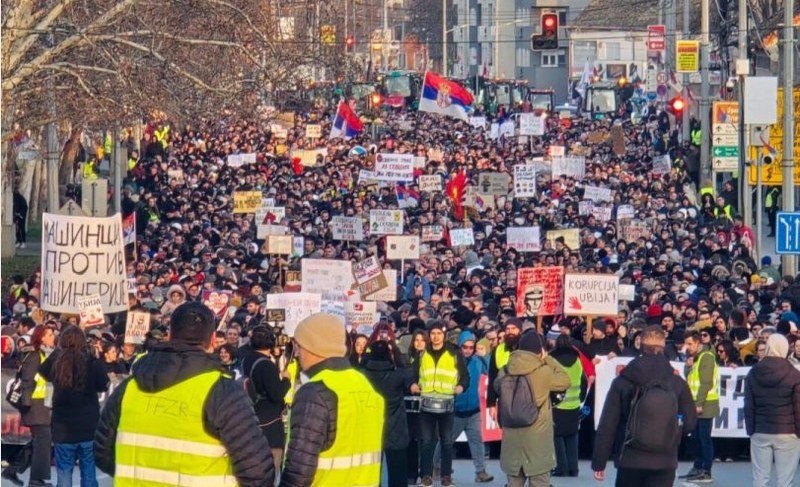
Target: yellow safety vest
{"points": [[161, 439], [693, 379], [441, 376], [40, 391], [501, 356], [707, 190], [355, 456], [89, 172], [291, 368], [132, 163], [161, 135], [697, 137], [572, 398]]}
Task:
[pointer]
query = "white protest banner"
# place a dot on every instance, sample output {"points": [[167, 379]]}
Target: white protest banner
{"points": [[661, 165], [402, 247], [591, 294], [627, 292], [264, 231], [313, 131], [431, 183], [367, 269], [494, 131], [571, 236], [365, 176], [246, 201], [308, 158], [234, 160], [389, 293], [81, 256], [278, 131], [176, 175], [462, 236], [432, 233], [602, 214], [347, 228], [571, 167], [419, 162], [328, 277], [557, 151], [508, 128], [333, 307], [394, 167], [596, 193], [136, 327], [531, 124], [524, 239], [298, 306], [524, 181], [625, 212], [278, 245], [361, 315], [585, 207], [494, 183], [90, 310], [268, 214], [298, 246], [477, 122], [386, 222]]}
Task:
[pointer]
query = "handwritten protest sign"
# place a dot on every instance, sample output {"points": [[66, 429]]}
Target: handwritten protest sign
{"points": [[361, 315], [136, 327], [625, 212], [524, 239], [278, 245], [602, 213], [264, 231], [585, 207], [571, 236], [81, 256], [662, 165], [369, 276], [298, 306], [176, 175], [328, 277], [313, 131], [540, 291], [386, 222], [571, 167], [431, 183], [400, 247], [462, 236], [627, 292], [268, 214], [531, 124], [494, 183], [596, 193], [419, 162], [389, 293], [633, 231], [347, 228], [557, 151], [246, 201], [508, 128], [524, 181], [432, 233], [218, 301], [308, 157], [477, 122], [494, 131], [591, 294], [90, 310], [394, 167], [293, 281]]}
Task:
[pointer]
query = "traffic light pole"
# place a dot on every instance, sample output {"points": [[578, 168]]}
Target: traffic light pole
{"points": [[685, 122], [745, 195], [789, 261], [706, 175]]}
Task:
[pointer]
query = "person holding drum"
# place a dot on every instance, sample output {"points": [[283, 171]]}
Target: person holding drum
{"points": [[439, 375]]}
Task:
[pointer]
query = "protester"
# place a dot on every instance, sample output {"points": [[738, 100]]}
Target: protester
{"points": [[499, 359], [567, 413], [418, 344]]}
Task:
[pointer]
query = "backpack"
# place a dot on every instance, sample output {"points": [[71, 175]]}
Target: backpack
{"points": [[516, 407], [247, 383], [653, 419]]}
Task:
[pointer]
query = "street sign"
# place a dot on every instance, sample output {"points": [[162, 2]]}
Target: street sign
{"points": [[724, 128], [662, 78], [725, 164], [725, 139], [772, 174], [726, 112], [661, 90], [725, 151], [787, 240], [687, 56], [656, 37]]}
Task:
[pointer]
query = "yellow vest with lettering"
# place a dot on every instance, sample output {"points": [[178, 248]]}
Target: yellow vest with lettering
{"points": [[441, 376], [693, 379], [572, 398], [161, 439]]}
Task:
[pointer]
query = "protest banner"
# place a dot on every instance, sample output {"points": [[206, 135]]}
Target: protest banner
{"points": [[462, 236], [420, 162], [494, 131], [176, 175], [386, 222], [268, 214], [625, 212], [585, 207], [90, 310], [524, 181], [524, 239], [531, 124], [330, 278], [367, 269], [275, 315], [591, 294], [477, 122], [293, 281], [234, 160], [507, 129], [136, 327], [402, 247], [278, 245], [264, 231], [633, 231], [602, 213], [361, 315], [394, 167], [313, 131], [431, 183], [571, 236], [571, 167], [627, 292], [81, 256], [347, 228], [596, 193], [308, 157], [540, 291], [432, 233], [246, 201], [494, 183], [298, 306], [217, 300], [389, 293], [557, 151], [661, 165]]}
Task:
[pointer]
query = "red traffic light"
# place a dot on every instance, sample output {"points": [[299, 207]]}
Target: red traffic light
{"points": [[677, 104], [549, 24], [376, 99], [350, 40]]}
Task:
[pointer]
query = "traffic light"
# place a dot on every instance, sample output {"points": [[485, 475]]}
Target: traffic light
{"points": [[677, 104], [350, 43], [549, 36], [376, 100]]}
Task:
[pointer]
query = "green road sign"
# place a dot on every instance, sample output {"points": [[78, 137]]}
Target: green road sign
{"points": [[725, 151]]}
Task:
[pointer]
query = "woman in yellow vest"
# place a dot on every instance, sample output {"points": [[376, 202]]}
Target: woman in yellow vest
{"points": [[567, 413]]}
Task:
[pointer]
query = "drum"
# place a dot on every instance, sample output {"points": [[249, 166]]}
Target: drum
{"points": [[413, 404], [438, 403]]}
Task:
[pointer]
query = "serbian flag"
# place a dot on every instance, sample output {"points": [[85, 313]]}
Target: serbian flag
{"points": [[345, 124], [455, 191], [129, 229], [440, 95], [406, 197]]}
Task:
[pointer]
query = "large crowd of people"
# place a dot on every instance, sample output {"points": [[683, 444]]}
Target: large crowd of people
{"points": [[702, 297]]}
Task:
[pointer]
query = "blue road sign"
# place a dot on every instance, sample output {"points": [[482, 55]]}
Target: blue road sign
{"points": [[787, 240]]}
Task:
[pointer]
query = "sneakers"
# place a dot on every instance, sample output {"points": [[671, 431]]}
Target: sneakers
{"points": [[426, 481], [701, 478], [694, 472], [23, 245], [482, 477], [447, 481]]}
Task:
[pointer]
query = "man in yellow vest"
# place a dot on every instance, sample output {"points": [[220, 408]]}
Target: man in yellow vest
{"points": [[336, 419], [702, 375], [179, 420], [440, 373], [499, 358]]}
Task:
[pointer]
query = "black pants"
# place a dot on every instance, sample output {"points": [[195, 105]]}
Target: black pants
{"points": [[629, 477], [21, 232], [567, 455], [412, 451], [40, 459], [428, 423], [396, 467]]}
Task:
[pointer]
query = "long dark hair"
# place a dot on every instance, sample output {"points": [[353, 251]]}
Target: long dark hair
{"points": [[72, 363]]}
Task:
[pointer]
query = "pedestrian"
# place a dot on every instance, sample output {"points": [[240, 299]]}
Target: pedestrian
{"points": [[702, 375], [499, 358], [336, 419], [527, 454], [438, 376], [419, 342], [178, 400], [772, 415], [648, 458], [20, 208], [567, 413], [77, 379]]}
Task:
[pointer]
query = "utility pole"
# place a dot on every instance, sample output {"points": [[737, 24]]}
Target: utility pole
{"points": [[706, 178], [789, 261], [744, 186], [384, 44], [345, 29], [671, 28], [685, 122], [444, 38], [52, 144]]}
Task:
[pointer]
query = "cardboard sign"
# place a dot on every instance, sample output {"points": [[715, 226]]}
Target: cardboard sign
{"points": [[361, 315], [524, 239], [83, 256], [327, 277], [278, 245], [596, 193], [571, 167], [625, 212], [627, 292], [661, 165], [494, 183], [386, 222], [462, 237], [557, 151], [136, 327], [633, 231], [531, 124], [90, 310], [572, 237], [585, 207], [246, 201], [540, 291], [402, 247], [389, 293], [275, 315], [264, 231], [367, 269], [524, 181], [602, 213], [432, 233], [217, 301], [430, 183], [591, 294], [313, 131], [477, 122], [394, 167], [308, 157], [347, 228], [176, 175], [298, 306]]}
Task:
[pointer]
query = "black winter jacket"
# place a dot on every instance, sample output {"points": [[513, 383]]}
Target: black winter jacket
{"points": [[772, 398], [611, 430], [227, 412], [34, 412], [391, 383], [565, 421]]}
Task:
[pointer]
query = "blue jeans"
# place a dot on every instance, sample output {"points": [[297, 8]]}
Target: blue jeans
{"points": [[66, 454], [471, 425], [703, 446]]}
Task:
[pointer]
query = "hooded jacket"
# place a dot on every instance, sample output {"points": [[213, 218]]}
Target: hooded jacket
{"points": [[227, 412], [468, 403], [566, 420], [772, 398], [168, 307], [611, 430]]}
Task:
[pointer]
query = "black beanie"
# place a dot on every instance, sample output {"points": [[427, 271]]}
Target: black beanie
{"points": [[531, 341]]}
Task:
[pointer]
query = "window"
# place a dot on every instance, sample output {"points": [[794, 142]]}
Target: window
{"points": [[562, 18], [553, 59], [523, 57], [612, 51], [478, 12]]}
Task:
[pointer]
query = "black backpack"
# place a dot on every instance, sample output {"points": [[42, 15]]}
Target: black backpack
{"points": [[247, 382], [516, 404], [653, 419]]}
